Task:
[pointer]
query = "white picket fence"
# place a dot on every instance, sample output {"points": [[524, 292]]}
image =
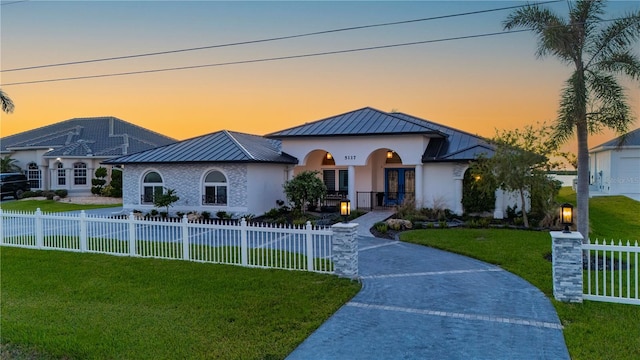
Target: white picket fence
{"points": [[612, 272], [242, 243]]}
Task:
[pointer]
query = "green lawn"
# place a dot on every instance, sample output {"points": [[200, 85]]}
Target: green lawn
{"points": [[48, 206], [87, 306], [592, 330]]}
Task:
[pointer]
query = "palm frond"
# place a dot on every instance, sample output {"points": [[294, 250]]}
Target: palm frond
{"points": [[615, 38], [625, 63], [610, 100], [7, 103], [551, 30]]}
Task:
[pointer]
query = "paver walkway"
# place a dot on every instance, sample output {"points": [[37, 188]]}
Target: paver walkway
{"points": [[422, 303]]}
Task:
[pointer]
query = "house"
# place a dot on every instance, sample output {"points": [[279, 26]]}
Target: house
{"points": [[65, 155], [371, 157], [614, 167], [223, 171]]}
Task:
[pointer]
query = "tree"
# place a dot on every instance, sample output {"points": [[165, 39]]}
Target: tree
{"points": [[6, 102], [305, 188], [98, 182], [520, 164], [7, 165], [165, 199], [592, 98]]}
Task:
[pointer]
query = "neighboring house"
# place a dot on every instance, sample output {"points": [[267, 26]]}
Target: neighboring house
{"points": [[614, 167], [371, 157], [65, 155], [222, 171]]}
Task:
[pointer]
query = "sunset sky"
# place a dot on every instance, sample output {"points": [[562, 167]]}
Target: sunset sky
{"points": [[477, 85]]}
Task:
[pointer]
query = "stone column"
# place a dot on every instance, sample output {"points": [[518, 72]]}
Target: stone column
{"points": [[344, 247], [567, 266]]}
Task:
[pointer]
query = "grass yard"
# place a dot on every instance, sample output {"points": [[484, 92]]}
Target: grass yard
{"points": [[48, 206], [593, 330], [87, 306]]}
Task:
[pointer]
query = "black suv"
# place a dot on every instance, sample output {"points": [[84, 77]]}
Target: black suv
{"points": [[13, 184]]}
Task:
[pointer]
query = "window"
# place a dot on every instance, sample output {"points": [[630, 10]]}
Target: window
{"points": [[61, 174], [329, 179], [34, 175], [151, 186], [80, 173], [215, 189]]}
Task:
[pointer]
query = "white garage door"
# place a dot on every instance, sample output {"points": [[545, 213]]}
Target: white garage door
{"points": [[629, 181]]}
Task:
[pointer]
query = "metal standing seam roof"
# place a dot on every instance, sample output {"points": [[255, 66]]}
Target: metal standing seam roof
{"points": [[222, 146], [448, 144], [81, 137], [365, 121], [631, 138]]}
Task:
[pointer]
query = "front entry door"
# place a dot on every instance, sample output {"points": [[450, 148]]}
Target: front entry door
{"points": [[400, 184]]}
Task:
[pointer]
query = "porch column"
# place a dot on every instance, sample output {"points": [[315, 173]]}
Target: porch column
{"points": [[498, 213], [418, 189], [290, 173], [351, 174], [458, 208]]}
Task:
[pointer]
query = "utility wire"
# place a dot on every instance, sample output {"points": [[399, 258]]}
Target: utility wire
{"points": [[12, 2], [269, 39], [269, 59]]}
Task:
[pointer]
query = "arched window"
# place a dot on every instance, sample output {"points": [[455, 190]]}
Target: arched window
{"points": [[80, 173], [61, 174], [34, 175], [151, 186], [215, 189]]}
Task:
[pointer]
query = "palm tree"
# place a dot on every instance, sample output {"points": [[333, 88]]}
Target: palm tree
{"points": [[7, 104], [592, 98], [7, 165]]}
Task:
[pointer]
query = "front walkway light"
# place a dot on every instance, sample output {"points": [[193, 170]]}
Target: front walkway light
{"points": [[345, 209], [566, 216]]}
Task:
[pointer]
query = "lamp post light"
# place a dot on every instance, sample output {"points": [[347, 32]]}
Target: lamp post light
{"points": [[345, 209], [566, 216]]}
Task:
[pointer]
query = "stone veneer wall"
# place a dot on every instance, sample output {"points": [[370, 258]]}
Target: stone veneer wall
{"points": [[187, 180], [567, 266]]}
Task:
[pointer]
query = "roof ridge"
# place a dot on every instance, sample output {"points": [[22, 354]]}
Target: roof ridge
{"points": [[247, 152], [323, 119], [444, 126]]}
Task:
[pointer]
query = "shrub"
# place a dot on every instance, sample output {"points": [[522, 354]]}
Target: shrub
{"points": [[206, 215], [153, 212], [222, 215], [48, 194], [61, 192], [39, 193], [28, 194], [381, 227], [442, 224]]}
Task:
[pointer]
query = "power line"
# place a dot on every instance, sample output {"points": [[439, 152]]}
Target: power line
{"points": [[267, 59], [287, 37], [12, 2]]}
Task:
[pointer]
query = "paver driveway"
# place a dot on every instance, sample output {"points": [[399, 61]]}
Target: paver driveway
{"points": [[422, 303]]}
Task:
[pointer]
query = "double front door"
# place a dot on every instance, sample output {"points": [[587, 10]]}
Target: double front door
{"points": [[400, 184]]}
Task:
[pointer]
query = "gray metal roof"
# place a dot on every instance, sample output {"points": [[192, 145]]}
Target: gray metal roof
{"points": [[222, 146], [80, 137], [458, 145], [631, 138], [365, 121], [446, 144]]}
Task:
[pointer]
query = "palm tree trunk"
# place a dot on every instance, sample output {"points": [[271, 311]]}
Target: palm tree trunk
{"points": [[525, 218], [583, 180]]}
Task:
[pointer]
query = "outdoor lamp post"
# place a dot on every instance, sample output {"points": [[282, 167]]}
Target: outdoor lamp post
{"points": [[566, 216], [345, 209]]}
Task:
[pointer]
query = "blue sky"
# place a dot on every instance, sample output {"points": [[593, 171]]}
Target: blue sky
{"points": [[476, 85]]}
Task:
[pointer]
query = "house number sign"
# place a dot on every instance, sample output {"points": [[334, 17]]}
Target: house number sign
{"points": [[349, 157]]}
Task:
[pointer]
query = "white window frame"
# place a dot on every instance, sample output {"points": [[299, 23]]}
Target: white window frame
{"points": [[211, 190]]}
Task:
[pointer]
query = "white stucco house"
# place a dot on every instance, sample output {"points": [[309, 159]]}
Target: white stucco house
{"points": [[66, 154], [371, 157], [614, 166]]}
